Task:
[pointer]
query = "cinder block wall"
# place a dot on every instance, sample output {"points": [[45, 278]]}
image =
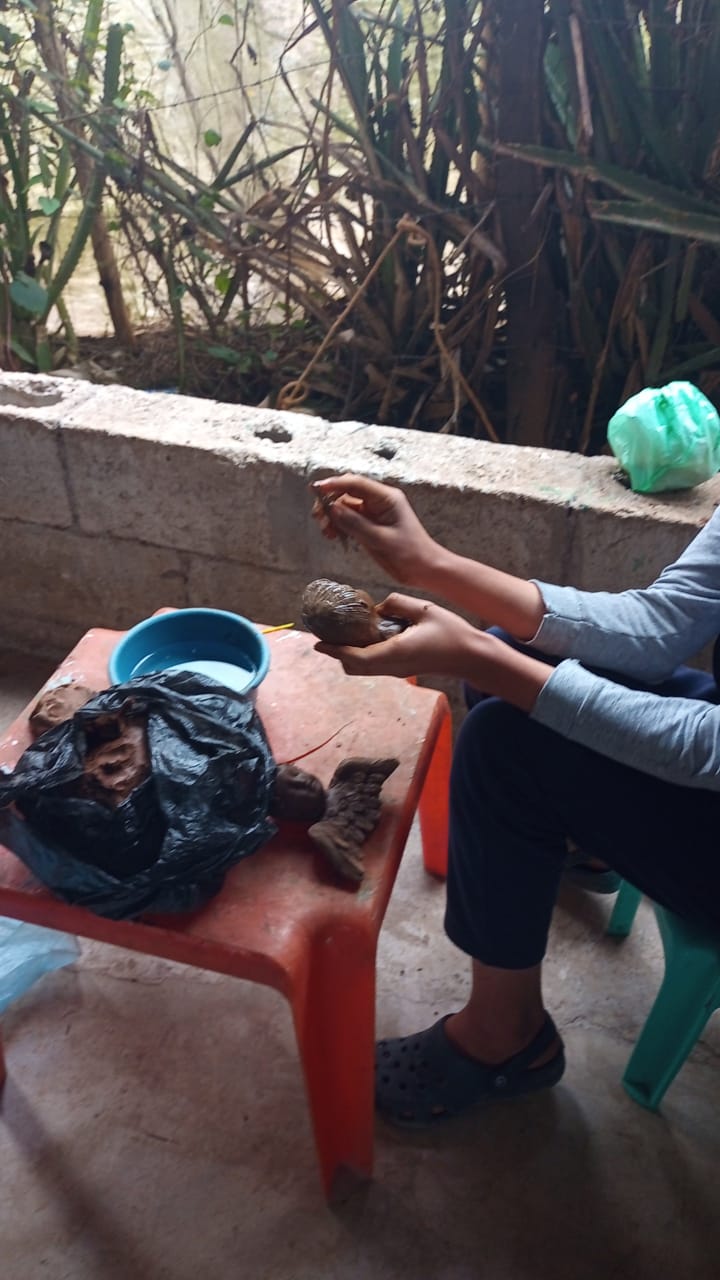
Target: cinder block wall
{"points": [[114, 502]]}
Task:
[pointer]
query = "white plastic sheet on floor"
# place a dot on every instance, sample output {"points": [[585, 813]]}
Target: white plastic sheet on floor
{"points": [[26, 953]]}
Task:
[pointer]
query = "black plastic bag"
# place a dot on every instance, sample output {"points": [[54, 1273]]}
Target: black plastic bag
{"points": [[167, 846]]}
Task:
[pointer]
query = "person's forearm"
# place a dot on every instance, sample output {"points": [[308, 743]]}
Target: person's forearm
{"points": [[498, 669], [489, 594]]}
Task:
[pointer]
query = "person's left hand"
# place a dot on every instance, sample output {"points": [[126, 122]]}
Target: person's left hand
{"points": [[437, 642], [440, 643]]}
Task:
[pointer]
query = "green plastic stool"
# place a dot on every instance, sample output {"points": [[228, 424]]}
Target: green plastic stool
{"points": [[689, 994]]}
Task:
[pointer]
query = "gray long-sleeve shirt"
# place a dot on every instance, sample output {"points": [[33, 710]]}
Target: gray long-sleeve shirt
{"points": [[643, 633]]}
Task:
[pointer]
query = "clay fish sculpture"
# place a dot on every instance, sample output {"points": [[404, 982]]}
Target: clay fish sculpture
{"points": [[339, 614], [343, 817]]}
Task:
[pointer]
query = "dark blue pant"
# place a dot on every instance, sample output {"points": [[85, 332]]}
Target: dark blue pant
{"points": [[518, 789]]}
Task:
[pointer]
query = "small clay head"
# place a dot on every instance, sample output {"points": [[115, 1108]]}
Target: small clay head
{"points": [[297, 796], [57, 705]]}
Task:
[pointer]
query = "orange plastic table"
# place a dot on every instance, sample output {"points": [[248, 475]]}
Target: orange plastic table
{"points": [[282, 918]]}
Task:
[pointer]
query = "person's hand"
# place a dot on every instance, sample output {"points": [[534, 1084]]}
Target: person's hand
{"points": [[437, 642], [440, 643], [379, 518]]}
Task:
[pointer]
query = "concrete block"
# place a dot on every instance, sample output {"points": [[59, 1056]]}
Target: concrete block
{"points": [[66, 583], [472, 497], [42, 395], [32, 479], [611, 552], [32, 476], [215, 487], [183, 501], [175, 419], [263, 595]]}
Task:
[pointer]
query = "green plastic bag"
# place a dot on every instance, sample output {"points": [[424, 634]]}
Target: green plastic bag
{"points": [[666, 438]]}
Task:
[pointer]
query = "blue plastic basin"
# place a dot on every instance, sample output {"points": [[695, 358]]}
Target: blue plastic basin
{"points": [[210, 642]]}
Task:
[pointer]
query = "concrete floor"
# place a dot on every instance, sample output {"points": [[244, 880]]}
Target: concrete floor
{"points": [[153, 1126]]}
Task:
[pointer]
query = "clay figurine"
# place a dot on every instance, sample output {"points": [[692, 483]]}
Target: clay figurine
{"points": [[343, 817], [117, 761], [339, 614], [116, 758], [58, 704]]}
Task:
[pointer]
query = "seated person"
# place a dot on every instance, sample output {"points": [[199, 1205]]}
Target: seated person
{"points": [[588, 729]]}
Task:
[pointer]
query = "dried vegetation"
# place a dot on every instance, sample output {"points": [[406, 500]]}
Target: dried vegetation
{"points": [[492, 217]]}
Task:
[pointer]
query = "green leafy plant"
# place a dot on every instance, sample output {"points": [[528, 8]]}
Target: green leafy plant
{"points": [[46, 176]]}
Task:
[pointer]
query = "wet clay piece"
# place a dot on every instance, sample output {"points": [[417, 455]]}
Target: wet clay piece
{"points": [[117, 759], [352, 811], [339, 614], [297, 796], [343, 817], [57, 705]]}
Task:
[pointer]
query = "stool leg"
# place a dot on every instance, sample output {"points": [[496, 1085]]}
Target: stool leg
{"points": [[685, 1001], [434, 807], [624, 911], [334, 1018]]}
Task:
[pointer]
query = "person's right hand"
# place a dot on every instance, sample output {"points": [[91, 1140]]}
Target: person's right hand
{"points": [[379, 518]]}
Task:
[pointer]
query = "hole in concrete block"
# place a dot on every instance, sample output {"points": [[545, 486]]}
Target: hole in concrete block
{"points": [[278, 435], [25, 398], [386, 451]]}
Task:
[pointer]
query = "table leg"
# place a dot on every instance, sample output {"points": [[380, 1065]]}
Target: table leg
{"points": [[434, 807], [334, 1017]]}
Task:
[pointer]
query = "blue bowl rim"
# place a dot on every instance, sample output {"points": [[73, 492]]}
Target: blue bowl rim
{"points": [[147, 624]]}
